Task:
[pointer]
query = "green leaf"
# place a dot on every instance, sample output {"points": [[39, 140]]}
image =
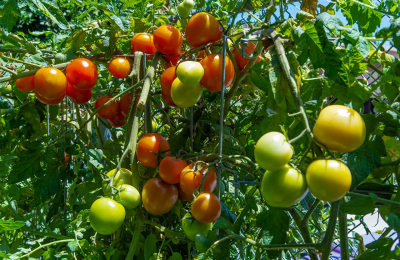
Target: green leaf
{"points": [[7, 225], [75, 42], [95, 156], [175, 256], [355, 63], [5, 162], [381, 248], [358, 206], [393, 221], [27, 166], [222, 223], [121, 22], [202, 243], [31, 115], [150, 246], [50, 9], [9, 13]]}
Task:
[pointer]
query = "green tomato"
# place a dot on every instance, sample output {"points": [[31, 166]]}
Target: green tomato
{"points": [[284, 187], [182, 11], [190, 72], [106, 216], [273, 151], [185, 95], [188, 4], [129, 197], [6, 90], [383, 172], [192, 227], [124, 176]]}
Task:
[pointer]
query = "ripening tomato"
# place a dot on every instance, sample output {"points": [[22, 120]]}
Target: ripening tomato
{"points": [[185, 7], [78, 96], [123, 176], [168, 99], [144, 43], [50, 101], [50, 83], [168, 39], [148, 146], [273, 151], [191, 227], [108, 111], [173, 60], [191, 178], [240, 60], [166, 80], [340, 129], [106, 216], [206, 208], [81, 73], [170, 169], [159, 197], [185, 95], [129, 197], [119, 67], [182, 196], [117, 121], [202, 29], [328, 180], [26, 84], [190, 72], [284, 187], [212, 78]]}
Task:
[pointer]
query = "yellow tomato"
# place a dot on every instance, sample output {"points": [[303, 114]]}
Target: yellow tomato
{"points": [[328, 180], [340, 129]]}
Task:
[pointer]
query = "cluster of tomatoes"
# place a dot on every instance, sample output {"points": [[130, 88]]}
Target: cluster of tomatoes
{"points": [[340, 129]]}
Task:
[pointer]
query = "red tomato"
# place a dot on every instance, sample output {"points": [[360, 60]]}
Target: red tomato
{"points": [[170, 169], [26, 84], [81, 73], [168, 39], [108, 111], [50, 83], [191, 180], [144, 43], [50, 101], [166, 80], [173, 60], [159, 197], [206, 208], [125, 103], [119, 67], [117, 121], [203, 28], [148, 145], [182, 196], [78, 96], [212, 78], [240, 60]]}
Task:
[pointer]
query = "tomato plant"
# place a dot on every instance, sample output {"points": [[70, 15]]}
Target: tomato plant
{"points": [[119, 67], [212, 78], [240, 60], [78, 96], [110, 110], [144, 43], [192, 227], [82, 74], [26, 84], [123, 176], [106, 216], [206, 208], [185, 95], [148, 148], [166, 80], [159, 197], [129, 197], [201, 29], [191, 178], [118, 120], [170, 169], [50, 101], [168, 39], [50, 83], [190, 72]]}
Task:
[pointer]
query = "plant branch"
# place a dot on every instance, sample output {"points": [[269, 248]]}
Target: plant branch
{"points": [[307, 216], [49, 244], [385, 201], [330, 231], [165, 230], [344, 240]]}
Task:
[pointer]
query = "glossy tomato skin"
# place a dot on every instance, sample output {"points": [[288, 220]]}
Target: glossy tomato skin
{"points": [[159, 197], [340, 129], [78, 96], [167, 78], [273, 151], [26, 84], [117, 121], [106, 216], [50, 101], [190, 72], [124, 176], [203, 28], [284, 187], [212, 78], [185, 96], [206, 208], [168, 39], [148, 145], [182, 196], [50, 83], [240, 60], [129, 197], [170, 169], [82, 74], [191, 180], [144, 43], [191, 227], [328, 180], [119, 67], [173, 60], [108, 111]]}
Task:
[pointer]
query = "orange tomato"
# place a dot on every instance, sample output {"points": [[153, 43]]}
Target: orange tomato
{"points": [[81, 73], [108, 111], [206, 208], [173, 60], [191, 180], [148, 146], [50, 83], [50, 101], [212, 78], [240, 60], [202, 29], [117, 121], [26, 84], [159, 197], [182, 196], [166, 80], [170, 169], [119, 67], [168, 39], [144, 43]]}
